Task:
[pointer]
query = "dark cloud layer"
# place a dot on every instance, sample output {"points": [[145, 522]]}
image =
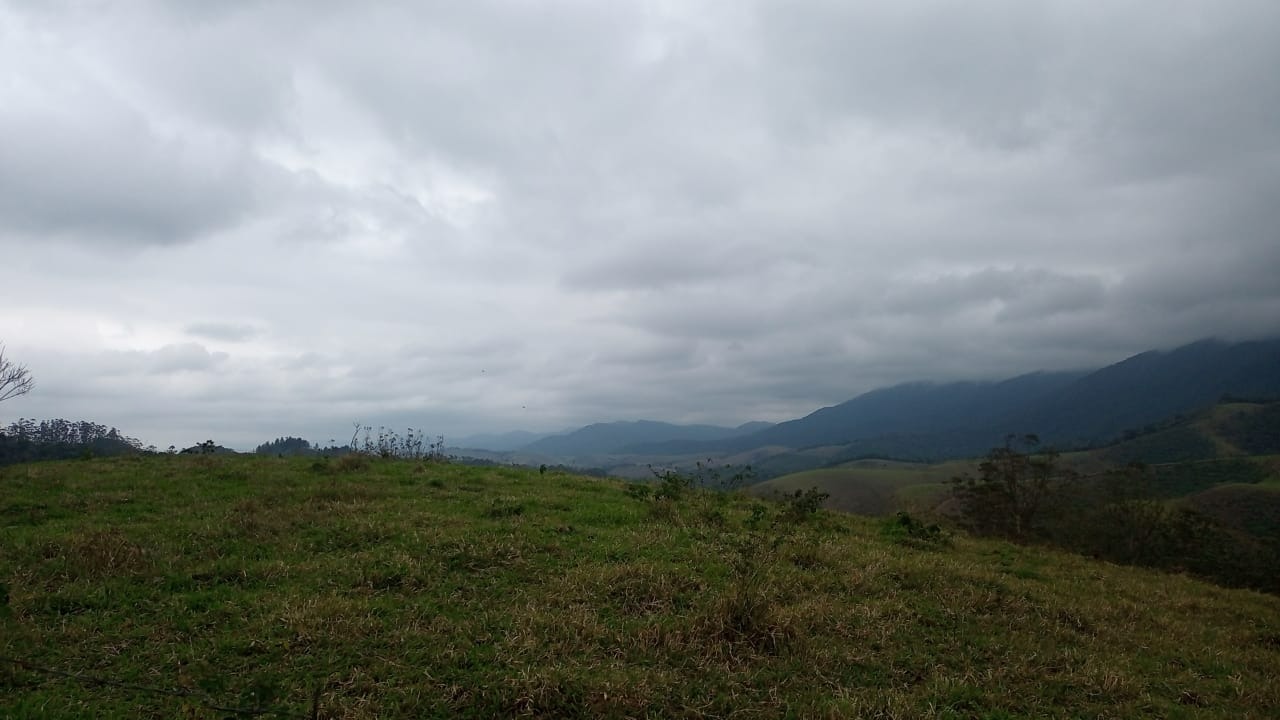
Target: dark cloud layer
{"points": [[251, 219]]}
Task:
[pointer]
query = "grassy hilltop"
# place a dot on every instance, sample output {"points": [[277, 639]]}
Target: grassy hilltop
{"points": [[360, 588]]}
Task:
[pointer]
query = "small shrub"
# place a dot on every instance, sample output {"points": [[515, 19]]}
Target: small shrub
{"points": [[389, 444], [747, 613], [804, 504], [663, 508], [672, 485], [907, 530], [639, 491], [352, 462], [713, 516], [759, 513], [725, 477], [503, 508]]}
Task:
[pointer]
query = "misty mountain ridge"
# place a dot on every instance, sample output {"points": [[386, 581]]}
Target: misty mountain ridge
{"points": [[1068, 409], [499, 442], [930, 420], [1153, 386], [617, 437]]}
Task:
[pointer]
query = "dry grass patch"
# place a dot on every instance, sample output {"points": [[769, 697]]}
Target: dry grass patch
{"points": [[99, 554]]}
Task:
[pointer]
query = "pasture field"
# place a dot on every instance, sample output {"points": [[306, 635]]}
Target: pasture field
{"points": [[233, 586], [875, 487]]}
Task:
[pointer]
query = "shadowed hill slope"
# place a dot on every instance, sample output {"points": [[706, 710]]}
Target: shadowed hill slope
{"points": [[617, 437], [1153, 386], [930, 422], [914, 409], [1225, 444]]}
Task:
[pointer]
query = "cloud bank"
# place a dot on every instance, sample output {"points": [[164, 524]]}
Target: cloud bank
{"points": [[254, 219]]}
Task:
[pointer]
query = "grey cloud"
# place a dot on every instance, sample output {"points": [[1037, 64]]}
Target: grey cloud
{"points": [[481, 84], [1018, 293], [650, 264], [187, 357], [1213, 107], [981, 69], [479, 216], [85, 158], [701, 315], [655, 354], [303, 361], [226, 332], [122, 368], [94, 178]]}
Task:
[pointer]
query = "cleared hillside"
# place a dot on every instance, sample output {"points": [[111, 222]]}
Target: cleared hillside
{"points": [[1187, 455], [171, 586], [1222, 431], [873, 487]]}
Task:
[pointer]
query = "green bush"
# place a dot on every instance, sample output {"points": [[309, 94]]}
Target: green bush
{"points": [[672, 485], [639, 491], [904, 529], [804, 504]]}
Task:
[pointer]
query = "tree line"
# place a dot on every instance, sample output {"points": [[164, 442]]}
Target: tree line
{"points": [[29, 440], [1023, 493]]}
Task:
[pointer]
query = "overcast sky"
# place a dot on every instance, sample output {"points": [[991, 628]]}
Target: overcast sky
{"points": [[240, 220]]}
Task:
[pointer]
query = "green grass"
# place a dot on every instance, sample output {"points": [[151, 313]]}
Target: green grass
{"points": [[1271, 464], [397, 589], [1181, 443], [1225, 430], [1254, 428], [1186, 478], [874, 487], [1253, 508]]}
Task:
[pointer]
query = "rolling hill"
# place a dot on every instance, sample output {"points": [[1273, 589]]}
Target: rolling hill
{"points": [[1229, 443], [1153, 386], [498, 442], [967, 410], [622, 437], [931, 422], [873, 487], [216, 586]]}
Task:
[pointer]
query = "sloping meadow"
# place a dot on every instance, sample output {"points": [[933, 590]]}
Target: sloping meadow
{"points": [[362, 588]]}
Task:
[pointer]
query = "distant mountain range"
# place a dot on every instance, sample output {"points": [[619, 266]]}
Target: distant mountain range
{"points": [[500, 442], [961, 410], [1218, 460], [1154, 386], [617, 438], [1066, 409], [933, 421]]}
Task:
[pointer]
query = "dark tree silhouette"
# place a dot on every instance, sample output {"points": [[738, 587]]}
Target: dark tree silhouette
{"points": [[15, 379], [1012, 488]]}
